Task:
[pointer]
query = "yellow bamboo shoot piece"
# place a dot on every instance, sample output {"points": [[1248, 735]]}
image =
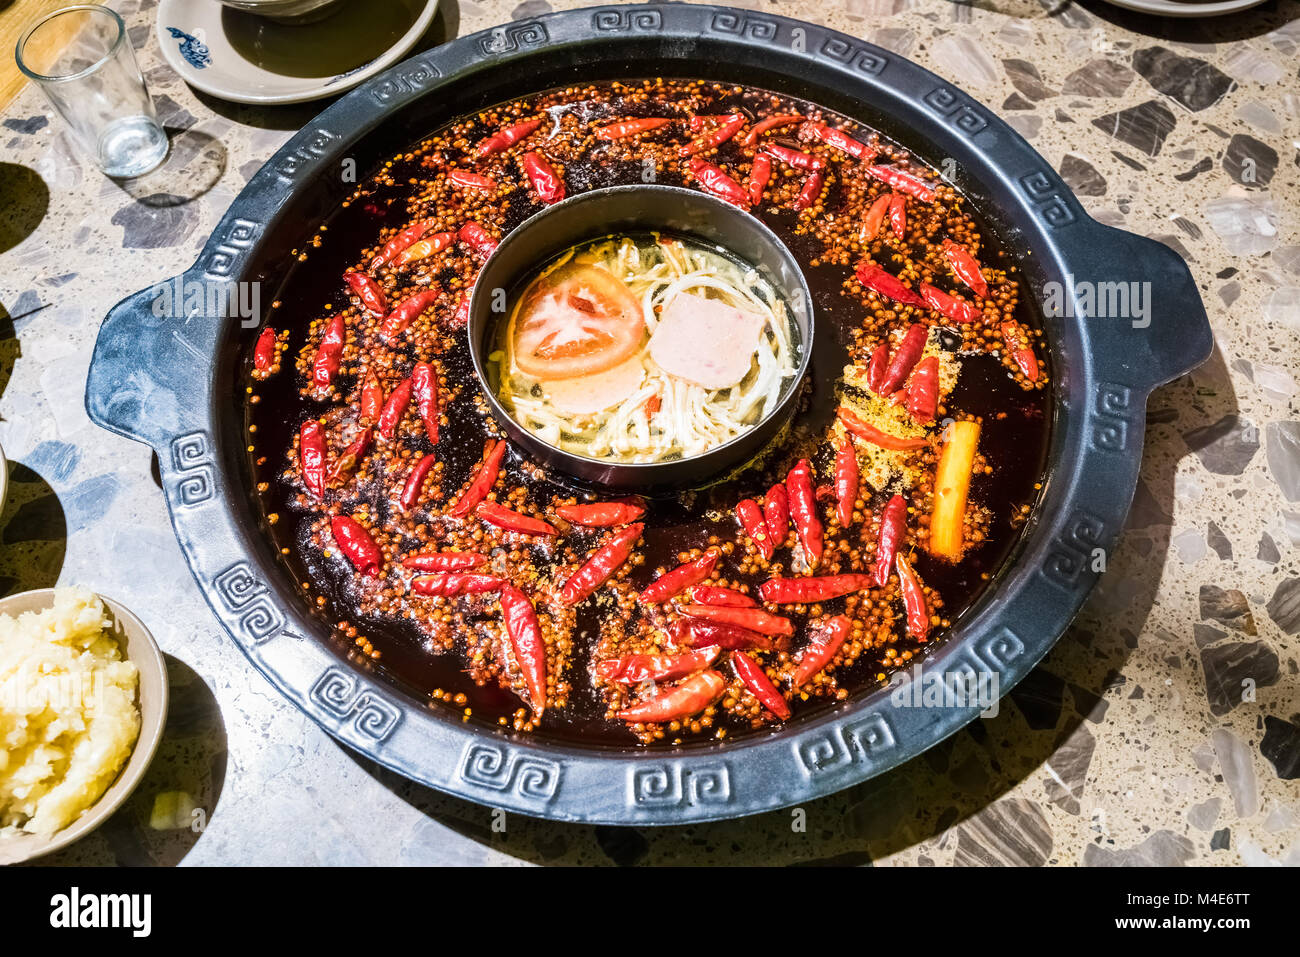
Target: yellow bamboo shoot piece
{"points": [[951, 486]]}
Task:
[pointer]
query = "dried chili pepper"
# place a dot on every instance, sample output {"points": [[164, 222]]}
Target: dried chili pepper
{"points": [[329, 354], [918, 617], [846, 481], [478, 239], [1024, 357], [424, 389], [311, 457], [875, 217], [776, 514], [444, 561], [512, 521], [898, 215], [886, 284], [467, 179], [601, 514], [545, 180], [717, 595], [394, 408], [751, 519], [803, 511], [635, 669], [698, 633], [395, 323], [950, 307], [760, 685], [506, 138], [905, 359], [823, 646], [877, 366], [451, 584], [795, 158], [690, 697], [368, 291], [839, 140], [677, 580], [804, 591], [484, 478], [769, 123], [893, 526], [811, 190], [869, 433], [264, 351], [525, 633], [415, 482], [966, 268], [356, 545], [372, 399], [352, 455], [461, 316], [755, 619], [400, 242], [731, 125], [760, 174], [602, 564], [922, 399], [425, 248], [904, 182], [623, 128], [716, 181]]}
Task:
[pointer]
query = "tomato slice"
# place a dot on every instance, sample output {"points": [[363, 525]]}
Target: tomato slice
{"points": [[577, 321]]}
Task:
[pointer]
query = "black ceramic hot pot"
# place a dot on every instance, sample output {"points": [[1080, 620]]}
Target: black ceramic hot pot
{"points": [[175, 384]]}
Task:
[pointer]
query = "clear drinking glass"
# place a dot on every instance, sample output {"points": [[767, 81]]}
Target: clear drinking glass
{"points": [[81, 58]]}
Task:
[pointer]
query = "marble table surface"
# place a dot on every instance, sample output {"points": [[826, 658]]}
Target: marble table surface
{"points": [[1165, 726]]}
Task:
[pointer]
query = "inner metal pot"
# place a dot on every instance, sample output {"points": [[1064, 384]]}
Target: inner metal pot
{"points": [[640, 209]]}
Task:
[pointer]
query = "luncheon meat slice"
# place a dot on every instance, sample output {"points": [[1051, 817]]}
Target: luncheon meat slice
{"points": [[585, 394], [705, 341]]}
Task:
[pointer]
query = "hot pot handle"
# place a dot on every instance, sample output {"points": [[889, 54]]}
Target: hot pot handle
{"points": [[1173, 335], [146, 372]]}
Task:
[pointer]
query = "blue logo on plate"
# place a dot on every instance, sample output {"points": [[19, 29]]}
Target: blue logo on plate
{"points": [[194, 50]]}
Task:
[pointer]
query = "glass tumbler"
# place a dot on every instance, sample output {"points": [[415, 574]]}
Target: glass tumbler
{"points": [[81, 58]]}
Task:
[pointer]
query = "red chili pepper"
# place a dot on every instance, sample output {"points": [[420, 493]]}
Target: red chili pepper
{"points": [[603, 563], [893, 526], [823, 646], [690, 697], [425, 248], [731, 125], [368, 291], [478, 239], [803, 591], [904, 182], [811, 191], [353, 454], [677, 580], [311, 457], [751, 520], [756, 680], [461, 315], [526, 641], [886, 284], [372, 399], [875, 217], [546, 182], [796, 158], [465, 179], [506, 138], [769, 123], [717, 595], [264, 351], [634, 669], [415, 482], [755, 619], [391, 414], [803, 511], [905, 359], [839, 140], [356, 545], [408, 310], [400, 242], [877, 366], [898, 215], [958, 310], [484, 478], [966, 267], [1024, 357], [759, 176], [698, 633], [451, 584], [918, 618], [512, 521], [846, 481], [776, 514], [601, 514], [444, 561], [424, 389], [923, 391], [617, 131], [869, 433], [714, 180], [329, 354]]}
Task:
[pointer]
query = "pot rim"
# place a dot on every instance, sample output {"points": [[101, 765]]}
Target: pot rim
{"points": [[160, 383]]}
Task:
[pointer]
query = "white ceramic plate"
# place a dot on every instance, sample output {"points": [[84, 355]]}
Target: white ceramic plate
{"points": [[250, 59], [1187, 8]]}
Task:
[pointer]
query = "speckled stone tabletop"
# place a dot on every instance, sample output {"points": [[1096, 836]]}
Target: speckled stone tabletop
{"points": [[1163, 729]]}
